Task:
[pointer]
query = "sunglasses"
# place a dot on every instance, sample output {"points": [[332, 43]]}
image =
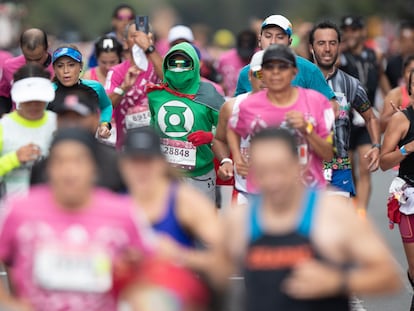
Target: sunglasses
{"points": [[278, 66], [258, 74], [179, 65], [125, 17]]}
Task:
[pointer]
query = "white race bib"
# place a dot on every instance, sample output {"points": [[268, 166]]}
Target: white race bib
{"points": [[138, 119], [180, 154], [69, 269]]}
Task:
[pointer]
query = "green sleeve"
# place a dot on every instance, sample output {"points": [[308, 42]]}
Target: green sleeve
{"points": [[8, 162], [105, 104]]}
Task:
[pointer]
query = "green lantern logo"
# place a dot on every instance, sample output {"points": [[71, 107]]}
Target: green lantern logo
{"points": [[175, 119]]}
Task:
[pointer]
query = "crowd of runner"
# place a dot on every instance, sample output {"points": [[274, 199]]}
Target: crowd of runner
{"points": [[146, 178]]}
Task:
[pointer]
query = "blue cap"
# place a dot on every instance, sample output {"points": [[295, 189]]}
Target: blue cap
{"points": [[67, 51]]}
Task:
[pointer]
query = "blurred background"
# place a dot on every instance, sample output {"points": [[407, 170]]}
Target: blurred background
{"points": [[84, 20]]}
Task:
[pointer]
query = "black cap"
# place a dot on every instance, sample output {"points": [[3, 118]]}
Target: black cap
{"points": [[142, 141], [279, 52], [352, 21], [79, 135], [78, 103]]}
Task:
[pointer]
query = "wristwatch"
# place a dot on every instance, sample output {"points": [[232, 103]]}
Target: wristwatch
{"points": [[119, 91], [376, 146], [151, 49]]}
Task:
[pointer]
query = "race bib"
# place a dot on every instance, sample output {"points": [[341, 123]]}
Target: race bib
{"points": [[68, 269], [138, 118], [180, 154]]}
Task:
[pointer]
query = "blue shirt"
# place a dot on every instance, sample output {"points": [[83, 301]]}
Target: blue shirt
{"points": [[309, 77]]}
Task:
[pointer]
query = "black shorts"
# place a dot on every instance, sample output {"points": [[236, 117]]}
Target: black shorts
{"points": [[359, 137]]}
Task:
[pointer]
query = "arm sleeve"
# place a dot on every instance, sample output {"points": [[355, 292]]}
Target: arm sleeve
{"points": [[9, 161], [243, 84], [105, 104], [318, 83]]}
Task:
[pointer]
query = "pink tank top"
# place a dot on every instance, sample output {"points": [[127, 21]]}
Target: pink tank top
{"points": [[405, 98], [94, 75]]}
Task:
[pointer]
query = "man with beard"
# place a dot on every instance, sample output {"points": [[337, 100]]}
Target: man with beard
{"points": [[324, 43]]}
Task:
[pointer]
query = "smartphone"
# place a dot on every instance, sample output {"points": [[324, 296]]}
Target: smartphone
{"points": [[142, 24]]}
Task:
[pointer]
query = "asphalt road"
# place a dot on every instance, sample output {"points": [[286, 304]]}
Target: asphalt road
{"points": [[377, 212]]}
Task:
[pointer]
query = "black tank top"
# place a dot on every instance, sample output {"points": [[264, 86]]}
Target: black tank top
{"points": [[406, 171], [270, 259]]}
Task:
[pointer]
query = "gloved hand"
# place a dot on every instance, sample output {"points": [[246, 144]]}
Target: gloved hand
{"points": [[199, 138]]}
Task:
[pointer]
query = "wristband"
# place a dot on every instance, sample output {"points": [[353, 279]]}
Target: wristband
{"points": [[226, 160], [404, 151], [119, 91], [376, 146], [309, 128]]}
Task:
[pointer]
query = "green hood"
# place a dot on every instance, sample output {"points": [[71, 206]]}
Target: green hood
{"points": [[187, 82]]}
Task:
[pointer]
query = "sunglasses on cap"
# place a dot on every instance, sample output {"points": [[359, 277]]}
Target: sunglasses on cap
{"points": [[258, 74], [179, 65], [125, 17], [279, 66]]}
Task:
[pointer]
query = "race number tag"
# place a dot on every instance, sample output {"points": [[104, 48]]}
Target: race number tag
{"points": [[180, 154], [138, 117], [303, 154], [84, 270]]}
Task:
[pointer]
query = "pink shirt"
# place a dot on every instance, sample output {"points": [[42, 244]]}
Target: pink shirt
{"points": [[257, 112], [36, 224], [136, 96], [10, 67], [229, 66]]}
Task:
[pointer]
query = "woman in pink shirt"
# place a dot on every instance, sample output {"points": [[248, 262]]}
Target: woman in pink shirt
{"points": [[60, 242], [307, 113]]}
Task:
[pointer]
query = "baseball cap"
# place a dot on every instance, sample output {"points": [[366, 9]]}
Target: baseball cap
{"points": [[32, 89], [142, 141], [279, 52], [352, 21], [180, 32], [256, 61], [76, 103], [280, 21], [67, 51]]}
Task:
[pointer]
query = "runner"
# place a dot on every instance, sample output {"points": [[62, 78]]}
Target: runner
{"points": [[67, 63], [398, 149], [397, 98], [122, 15], [108, 52], [280, 241], [220, 146], [60, 242], [305, 112], [26, 133], [34, 46], [324, 40], [232, 61], [184, 111], [277, 29], [180, 34], [361, 63], [81, 111], [181, 214], [126, 82], [395, 68]]}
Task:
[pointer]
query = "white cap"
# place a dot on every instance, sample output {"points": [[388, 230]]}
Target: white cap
{"points": [[180, 32], [279, 20], [32, 89], [256, 61]]}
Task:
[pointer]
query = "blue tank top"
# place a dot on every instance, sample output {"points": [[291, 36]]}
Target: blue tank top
{"points": [[270, 259], [170, 225]]}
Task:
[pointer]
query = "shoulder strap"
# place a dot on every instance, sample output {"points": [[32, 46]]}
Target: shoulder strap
{"points": [[409, 113], [310, 204]]}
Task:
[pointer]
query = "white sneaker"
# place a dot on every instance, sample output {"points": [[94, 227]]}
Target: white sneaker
{"points": [[355, 304]]}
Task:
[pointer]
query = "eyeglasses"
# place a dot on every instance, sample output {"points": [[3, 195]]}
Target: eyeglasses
{"points": [[279, 66], [179, 65], [125, 17], [258, 74]]}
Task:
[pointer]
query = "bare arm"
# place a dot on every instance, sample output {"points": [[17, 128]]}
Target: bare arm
{"points": [[392, 103], [321, 146], [373, 127], [396, 130]]}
